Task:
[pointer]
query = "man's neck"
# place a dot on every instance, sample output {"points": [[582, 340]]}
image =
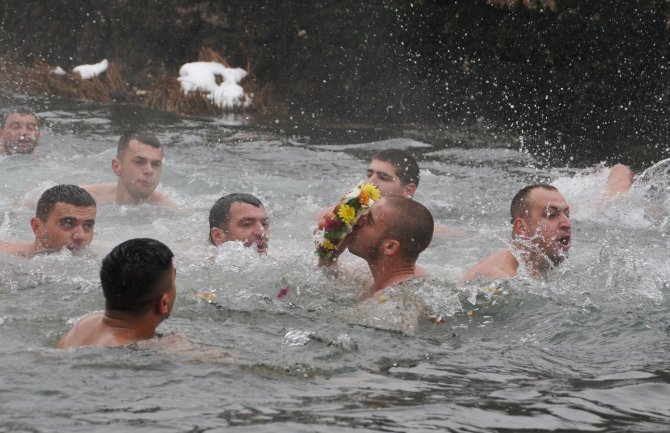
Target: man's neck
{"points": [[132, 327], [536, 263], [122, 196], [386, 274]]}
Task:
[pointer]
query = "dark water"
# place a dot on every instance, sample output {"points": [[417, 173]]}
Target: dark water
{"points": [[586, 351]]}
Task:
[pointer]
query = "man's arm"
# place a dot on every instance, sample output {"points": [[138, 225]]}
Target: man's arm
{"points": [[24, 249], [619, 181]]}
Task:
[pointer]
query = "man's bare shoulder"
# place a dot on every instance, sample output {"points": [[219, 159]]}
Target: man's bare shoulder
{"points": [[23, 249], [499, 265], [156, 198], [84, 332], [103, 193]]}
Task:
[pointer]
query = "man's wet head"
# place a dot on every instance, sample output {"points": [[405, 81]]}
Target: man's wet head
{"points": [[395, 172], [138, 165], [138, 278], [239, 217], [541, 216], [65, 217], [19, 131]]}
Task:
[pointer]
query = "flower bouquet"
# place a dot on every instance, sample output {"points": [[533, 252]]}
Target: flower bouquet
{"points": [[341, 220]]}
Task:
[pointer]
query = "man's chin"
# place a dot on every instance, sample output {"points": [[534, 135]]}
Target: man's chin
{"points": [[560, 257], [77, 249], [24, 149]]}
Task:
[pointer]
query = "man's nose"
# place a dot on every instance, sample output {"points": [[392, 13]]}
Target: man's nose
{"points": [[259, 230], [78, 233], [565, 221]]}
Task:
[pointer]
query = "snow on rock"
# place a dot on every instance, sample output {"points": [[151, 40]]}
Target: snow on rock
{"points": [[89, 71], [201, 76]]}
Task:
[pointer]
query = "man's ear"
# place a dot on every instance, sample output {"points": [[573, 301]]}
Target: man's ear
{"points": [[218, 235], [519, 227], [116, 167], [38, 226], [164, 304], [390, 247], [410, 190]]}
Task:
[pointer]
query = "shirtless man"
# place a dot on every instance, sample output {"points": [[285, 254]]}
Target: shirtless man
{"points": [[389, 238], [65, 218], [138, 282], [19, 132], [138, 165], [541, 234], [239, 217]]}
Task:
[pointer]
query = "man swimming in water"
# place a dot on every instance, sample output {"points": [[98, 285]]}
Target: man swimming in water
{"points": [[389, 238], [138, 282], [541, 235], [239, 217], [65, 218], [19, 131], [138, 165], [394, 172]]}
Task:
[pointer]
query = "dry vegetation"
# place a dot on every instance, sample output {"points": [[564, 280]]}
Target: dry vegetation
{"points": [[165, 93]]}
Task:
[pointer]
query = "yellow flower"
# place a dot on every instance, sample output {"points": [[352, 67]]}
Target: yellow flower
{"points": [[328, 245], [371, 191], [347, 214]]}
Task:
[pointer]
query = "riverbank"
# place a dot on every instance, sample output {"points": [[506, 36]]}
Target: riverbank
{"points": [[588, 78]]}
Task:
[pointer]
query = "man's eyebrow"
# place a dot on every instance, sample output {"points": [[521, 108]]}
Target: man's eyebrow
{"points": [[554, 207], [250, 218]]}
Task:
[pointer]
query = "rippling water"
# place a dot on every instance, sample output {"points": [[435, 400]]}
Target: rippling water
{"points": [[586, 351]]}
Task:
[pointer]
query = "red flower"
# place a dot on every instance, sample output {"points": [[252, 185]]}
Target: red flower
{"points": [[281, 294], [332, 224]]}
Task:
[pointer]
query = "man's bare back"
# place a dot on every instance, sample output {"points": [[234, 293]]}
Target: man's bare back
{"points": [[93, 330]]}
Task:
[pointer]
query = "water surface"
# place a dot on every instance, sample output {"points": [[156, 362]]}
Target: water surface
{"points": [[585, 351]]}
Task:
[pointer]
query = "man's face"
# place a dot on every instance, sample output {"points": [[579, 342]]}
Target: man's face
{"points": [[249, 224], [67, 226], [19, 134], [366, 237], [139, 169], [382, 174], [548, 224]]}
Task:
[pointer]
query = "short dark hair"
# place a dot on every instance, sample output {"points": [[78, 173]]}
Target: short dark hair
{"points": [[68, 194], [519, 207], [219, 215], [406, 167], [412, 225], [135, 274], [141, 136], [25, 111]]}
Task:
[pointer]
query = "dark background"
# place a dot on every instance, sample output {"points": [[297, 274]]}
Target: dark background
{"points": [[583, 78]]}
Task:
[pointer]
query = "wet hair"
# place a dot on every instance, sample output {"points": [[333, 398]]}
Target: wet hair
{"points": [[406, 167], [519, 207], [68, 194], [144, 137], [412, 225], [24, 111], [219, 215], [135, 274]]}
